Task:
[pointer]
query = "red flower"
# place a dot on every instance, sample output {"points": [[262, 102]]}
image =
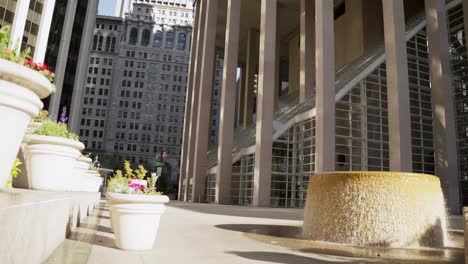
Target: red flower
{"points": [[50, 73], [43, 67]]}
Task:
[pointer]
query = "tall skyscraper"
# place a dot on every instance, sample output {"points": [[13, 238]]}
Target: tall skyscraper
{"points": [[68, 49], [133, 101], [58, 33], [30, 22]]}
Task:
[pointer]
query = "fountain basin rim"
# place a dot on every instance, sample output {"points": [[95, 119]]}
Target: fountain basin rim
{"points": [[352, 174]]}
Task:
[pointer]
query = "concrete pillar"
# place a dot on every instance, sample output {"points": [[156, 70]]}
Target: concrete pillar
{"points": [[278, 59], [44, 29], [307, 50], [445, 136], [399, 122], [325, 88], [83, 62], [251, 70], [227, 104], [204, 102], [19, 22], [265, 104], [188, 102], [62, 58], [196, 94], [465, 19], [241, 100]]}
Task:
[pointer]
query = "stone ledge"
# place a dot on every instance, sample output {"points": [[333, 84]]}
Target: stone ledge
{"points": [[34, 223]]}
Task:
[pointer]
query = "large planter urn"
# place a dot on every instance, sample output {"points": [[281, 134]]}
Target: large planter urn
{"points": [[135, 219], [20, 92], [51, 162], [86, 180]]}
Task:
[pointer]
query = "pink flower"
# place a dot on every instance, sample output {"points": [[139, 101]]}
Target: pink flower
{"points": [[137, 186]]}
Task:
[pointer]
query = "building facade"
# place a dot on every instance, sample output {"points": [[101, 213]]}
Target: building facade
{"points": [[70, 33], [133, 103], [30, 22], [389, 109], [57, 33], [168, 12]]}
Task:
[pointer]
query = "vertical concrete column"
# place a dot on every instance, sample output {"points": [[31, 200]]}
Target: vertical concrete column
{"points": [[445, 136], [62, 59], [278, 59], [44, 29], [265, 104], [204, 102], [241, 100], [227, 104], [195, 97], [188, 101], [399, 122], [465, 229], [325, 88], [251, 70], [19, 22], [307, 50], [83, 62], [465, 19]]}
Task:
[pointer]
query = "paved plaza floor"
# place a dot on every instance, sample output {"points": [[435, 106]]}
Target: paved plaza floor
{"points": [[218, 234]]}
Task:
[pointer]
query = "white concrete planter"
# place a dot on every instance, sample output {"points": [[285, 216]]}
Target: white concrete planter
{"points": [[93, 181], [20, 92], [83, 162], [135, 219], [32, 126], [51, 162]]}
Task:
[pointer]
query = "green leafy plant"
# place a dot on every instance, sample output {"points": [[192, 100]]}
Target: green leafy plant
{"points": [[43, 114], [15, 171], [54, 129], [123, 184], [128, 170], [23, 58]]}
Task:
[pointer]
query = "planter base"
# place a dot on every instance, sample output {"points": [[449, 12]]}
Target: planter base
{"points": [[136, 225], [135, 219]]}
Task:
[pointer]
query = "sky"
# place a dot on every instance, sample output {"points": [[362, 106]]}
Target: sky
{"points": [[106, 7]]}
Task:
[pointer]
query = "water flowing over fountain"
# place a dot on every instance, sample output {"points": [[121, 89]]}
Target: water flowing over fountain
{"points": [[385, 209]]}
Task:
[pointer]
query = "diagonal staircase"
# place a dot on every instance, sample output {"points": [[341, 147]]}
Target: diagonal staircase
{"points": [[291, 112]]}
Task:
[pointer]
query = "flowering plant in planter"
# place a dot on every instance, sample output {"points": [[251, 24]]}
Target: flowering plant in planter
{"points": [[24, 84], [52, 154], [121, 183], [135, 208], [54, 129], [22, 58], [43, 114]]}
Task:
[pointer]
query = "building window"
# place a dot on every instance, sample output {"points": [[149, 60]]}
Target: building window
{"points": [[133, 36], [145, 41], [95, 42], [169, 40], [114, 41], [108, 44], [181, 41], [100, 42], [157, 40]]}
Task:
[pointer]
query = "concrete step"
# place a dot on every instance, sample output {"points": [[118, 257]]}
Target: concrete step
{"points": [[34, 223]]}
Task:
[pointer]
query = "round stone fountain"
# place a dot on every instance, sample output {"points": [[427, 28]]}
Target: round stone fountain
{"points": [[385, 209]]}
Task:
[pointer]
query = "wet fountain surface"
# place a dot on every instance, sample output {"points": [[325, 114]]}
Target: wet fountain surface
{"points": [[291, 237]]}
